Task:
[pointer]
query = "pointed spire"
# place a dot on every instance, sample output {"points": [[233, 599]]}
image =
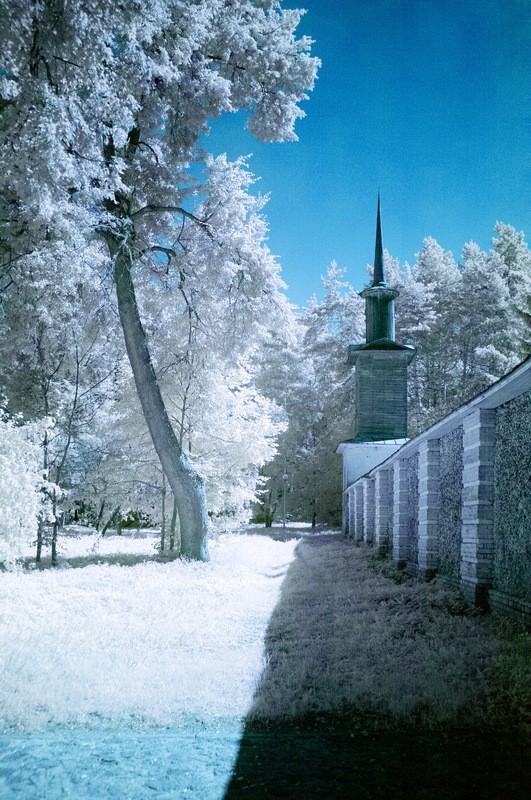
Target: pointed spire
{"points": [[379, 271]]}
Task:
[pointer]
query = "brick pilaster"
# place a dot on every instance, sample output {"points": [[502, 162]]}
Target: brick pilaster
{"points": [[400, 513], [368, 510], [349, 503], [383, 491], [428, 476], [479, 431], [345, 513], [358, 512]]}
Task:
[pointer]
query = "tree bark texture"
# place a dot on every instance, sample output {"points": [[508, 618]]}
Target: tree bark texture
{"points": [[163, 512], [186, 485], [55, 528], [115, 515], [173, 528]]}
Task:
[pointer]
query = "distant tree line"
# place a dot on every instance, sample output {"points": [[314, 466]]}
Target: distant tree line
{"points": [[469, 321], [151, 365]]}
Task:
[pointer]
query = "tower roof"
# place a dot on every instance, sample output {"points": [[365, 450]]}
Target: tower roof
{"points": [[379, 270]]}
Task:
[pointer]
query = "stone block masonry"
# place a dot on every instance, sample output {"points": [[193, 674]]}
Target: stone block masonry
{"points": [[358, 512], [400, 513], [428, 509], [368, 511], [436, 505], [477, 546], [383, 510]]}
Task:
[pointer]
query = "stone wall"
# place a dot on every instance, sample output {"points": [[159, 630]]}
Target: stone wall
{"points": [[412, 467], [512, 499], [450, 491], [384, 510], [455, 502]]}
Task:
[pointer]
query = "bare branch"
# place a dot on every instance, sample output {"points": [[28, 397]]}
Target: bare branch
{"points": [[95, 385], [72, 152], [66, 61], [168, 251], [178, 239], [145, 144], [154, 209]]}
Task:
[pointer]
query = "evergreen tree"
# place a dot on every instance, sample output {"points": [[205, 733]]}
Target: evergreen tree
{"points": [[318, 402], [511, 247], [482, 335]]}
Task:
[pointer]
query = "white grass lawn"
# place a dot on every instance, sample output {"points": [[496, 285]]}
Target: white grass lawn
{"points": [[151, 643], [163, 643], [134, 680]]}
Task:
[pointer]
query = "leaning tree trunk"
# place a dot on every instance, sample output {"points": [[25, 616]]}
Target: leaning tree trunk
{"points": [[186, 485]]}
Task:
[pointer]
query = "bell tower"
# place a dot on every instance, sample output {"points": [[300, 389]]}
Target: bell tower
{"points": [[380, 380]]}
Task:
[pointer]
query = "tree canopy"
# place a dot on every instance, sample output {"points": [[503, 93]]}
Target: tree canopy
{"points": [[102, 108]]}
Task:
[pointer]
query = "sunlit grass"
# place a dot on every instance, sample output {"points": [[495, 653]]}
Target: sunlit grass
{"points": [[128, 640], [150, 643]]}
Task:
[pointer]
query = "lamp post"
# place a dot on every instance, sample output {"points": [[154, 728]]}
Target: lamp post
{"points": [[285, 478]]}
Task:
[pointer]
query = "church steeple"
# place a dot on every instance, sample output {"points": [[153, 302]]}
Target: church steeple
{"points": [[379, 268], [381, 363], [380, 386], [379, 298]]}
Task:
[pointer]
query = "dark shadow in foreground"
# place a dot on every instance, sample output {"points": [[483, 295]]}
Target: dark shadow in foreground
{"points": [[353, 756], [330, 758]]}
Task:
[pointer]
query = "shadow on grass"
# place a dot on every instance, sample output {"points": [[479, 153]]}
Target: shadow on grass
{"points": [[280, 534], [112, 559], [29, 564], [352, 755], [98, 559]]}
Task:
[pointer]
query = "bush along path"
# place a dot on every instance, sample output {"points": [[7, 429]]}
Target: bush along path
{"points": [[379, 686]]}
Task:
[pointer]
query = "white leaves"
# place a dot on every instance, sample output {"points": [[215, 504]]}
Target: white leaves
{"points": [[86, 77], [110, 100], [21, 486]]}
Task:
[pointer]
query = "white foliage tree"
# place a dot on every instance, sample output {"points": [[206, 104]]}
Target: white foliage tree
{"points": [[483, 337], [102, 108], [461, 319], [215, 311], [60, 351], [511, 247], [22, 500], [317, 397]]}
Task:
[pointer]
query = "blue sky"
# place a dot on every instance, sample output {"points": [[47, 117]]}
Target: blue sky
{"points": [[425, 100]]}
